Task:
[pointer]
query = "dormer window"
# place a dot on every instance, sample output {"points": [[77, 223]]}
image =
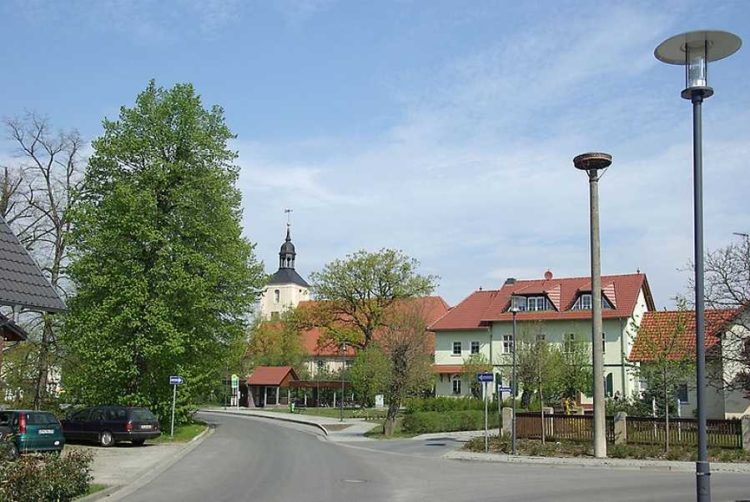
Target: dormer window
{"points": [[531, 303], [584, 302]]}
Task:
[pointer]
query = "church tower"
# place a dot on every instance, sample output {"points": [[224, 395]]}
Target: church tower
{"points": [[286, 288]]}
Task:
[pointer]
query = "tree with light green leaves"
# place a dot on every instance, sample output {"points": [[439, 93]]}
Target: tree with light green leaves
{"points": [[370, 374], [474, 364], [163, 277], [357, 294]]}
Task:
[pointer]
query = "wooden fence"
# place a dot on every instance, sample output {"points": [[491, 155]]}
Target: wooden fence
{"points": [[683, 431], [557, 427], [640, 430]]}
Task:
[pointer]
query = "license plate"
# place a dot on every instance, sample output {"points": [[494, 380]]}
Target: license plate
{"points": [[147, 427], [46, 431]]}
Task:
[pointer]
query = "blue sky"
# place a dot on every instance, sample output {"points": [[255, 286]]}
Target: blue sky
{"points": [[446, 129]]}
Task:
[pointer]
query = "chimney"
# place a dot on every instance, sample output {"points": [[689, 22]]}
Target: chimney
{"points": [[510, 280], [547, 275]]}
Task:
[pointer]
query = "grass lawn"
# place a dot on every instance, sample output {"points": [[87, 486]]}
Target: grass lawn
{"points": [[182, 433], [377, 432], [335, 412], [93, 488]]}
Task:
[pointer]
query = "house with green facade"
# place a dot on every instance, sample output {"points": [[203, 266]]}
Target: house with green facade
{"points": [[556, 310]]}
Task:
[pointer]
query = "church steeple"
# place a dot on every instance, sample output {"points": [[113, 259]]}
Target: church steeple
{"points": [[287, 252]]}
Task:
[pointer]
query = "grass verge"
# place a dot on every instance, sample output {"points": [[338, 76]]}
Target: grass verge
{"points": [[93, 488], [182, 433]]}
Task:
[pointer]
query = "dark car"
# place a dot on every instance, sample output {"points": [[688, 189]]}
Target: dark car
{"points": [[108, 425], [23, 431]]}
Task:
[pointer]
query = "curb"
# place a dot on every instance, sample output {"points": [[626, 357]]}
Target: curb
{"points": [[122, 490], [612, 463], [280, 418]]}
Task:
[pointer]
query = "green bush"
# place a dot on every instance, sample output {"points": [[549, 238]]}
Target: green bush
{"points": [[447, 421], [32, 478], [421, 404]]}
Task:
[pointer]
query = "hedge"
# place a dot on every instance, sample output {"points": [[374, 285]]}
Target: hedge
{"points": [[447, 421], [418, 404], [33, 478]]}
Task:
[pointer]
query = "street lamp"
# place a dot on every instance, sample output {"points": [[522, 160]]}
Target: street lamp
{"points": [[343, 365], [592, 163], [514, 311], [695, 50]]}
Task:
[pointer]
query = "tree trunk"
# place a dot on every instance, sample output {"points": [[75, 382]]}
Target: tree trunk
{"points": [[389, 427]]}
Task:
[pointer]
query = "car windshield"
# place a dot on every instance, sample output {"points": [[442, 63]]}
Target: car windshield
{"points": [[141, 414]]}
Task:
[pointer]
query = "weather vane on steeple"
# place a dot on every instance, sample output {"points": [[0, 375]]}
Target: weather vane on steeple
{"points": [[288, 217]]}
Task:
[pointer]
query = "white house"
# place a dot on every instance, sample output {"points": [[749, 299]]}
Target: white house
{"points": [[557, 310], [672, 334]]}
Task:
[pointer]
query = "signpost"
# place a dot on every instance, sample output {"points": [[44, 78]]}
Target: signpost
{"points": [[174, 381], [485, 378], [235, 390]]}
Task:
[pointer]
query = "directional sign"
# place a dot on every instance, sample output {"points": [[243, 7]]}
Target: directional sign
{"points": [[235, 382], [500, 388], [175, 380], [484, 377]]}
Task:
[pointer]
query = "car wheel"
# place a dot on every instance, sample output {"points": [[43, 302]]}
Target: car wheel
{"points": [[106, 439], [138, 442]]}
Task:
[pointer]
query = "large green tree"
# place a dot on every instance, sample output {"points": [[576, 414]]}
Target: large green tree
{"points": [[163, 277], [359, 293]]}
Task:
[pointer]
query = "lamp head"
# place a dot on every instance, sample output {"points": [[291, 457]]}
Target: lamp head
{"points": [[694, 50], [592, 161]]}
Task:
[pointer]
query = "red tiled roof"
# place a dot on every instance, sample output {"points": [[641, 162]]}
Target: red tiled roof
{"points": [[482, 307], [270, 375], [433, 308], [674, 332], [448, 368]]}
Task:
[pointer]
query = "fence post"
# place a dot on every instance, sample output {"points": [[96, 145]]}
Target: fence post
{"points": [[746, 433], [549, 421], [621, 429], [507, 420]]}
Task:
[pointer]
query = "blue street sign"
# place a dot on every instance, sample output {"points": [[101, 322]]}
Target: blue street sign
{"points": [[500, 388], [175, 380], [484, 377]]}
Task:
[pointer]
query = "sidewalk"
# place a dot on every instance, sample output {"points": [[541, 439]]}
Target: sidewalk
{"points": [[351, 429], [601, 463]]}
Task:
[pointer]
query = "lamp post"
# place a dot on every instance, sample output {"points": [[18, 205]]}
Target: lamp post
{"points": [[695, 50], [514, 311], [592, 163], [343, 365]]}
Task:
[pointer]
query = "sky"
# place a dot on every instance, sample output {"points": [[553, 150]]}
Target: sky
{"points": [[444, 129]]}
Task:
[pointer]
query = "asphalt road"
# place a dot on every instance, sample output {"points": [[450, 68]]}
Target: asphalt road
{"points": [[257, 460]]}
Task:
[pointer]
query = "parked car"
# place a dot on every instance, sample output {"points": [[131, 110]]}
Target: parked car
{"points": [[23, 431], [108, 425]]}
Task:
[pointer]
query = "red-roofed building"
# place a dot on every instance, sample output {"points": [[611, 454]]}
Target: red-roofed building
{"points": [[557, 309], [327, 357], [265, 384], [672, 334]]}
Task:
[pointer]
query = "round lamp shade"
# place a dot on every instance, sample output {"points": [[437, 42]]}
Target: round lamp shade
{"points": [[592, 160], [720, 44]]}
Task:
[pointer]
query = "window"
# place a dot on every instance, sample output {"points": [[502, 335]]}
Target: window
{"points": [[608, 385], [456, 385], [585, 302], [541, 337], [507, 344], [475, 347], [457, 348], [569, 342], [536, 303], [276, 295], [682, 393], [604, 343]]}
